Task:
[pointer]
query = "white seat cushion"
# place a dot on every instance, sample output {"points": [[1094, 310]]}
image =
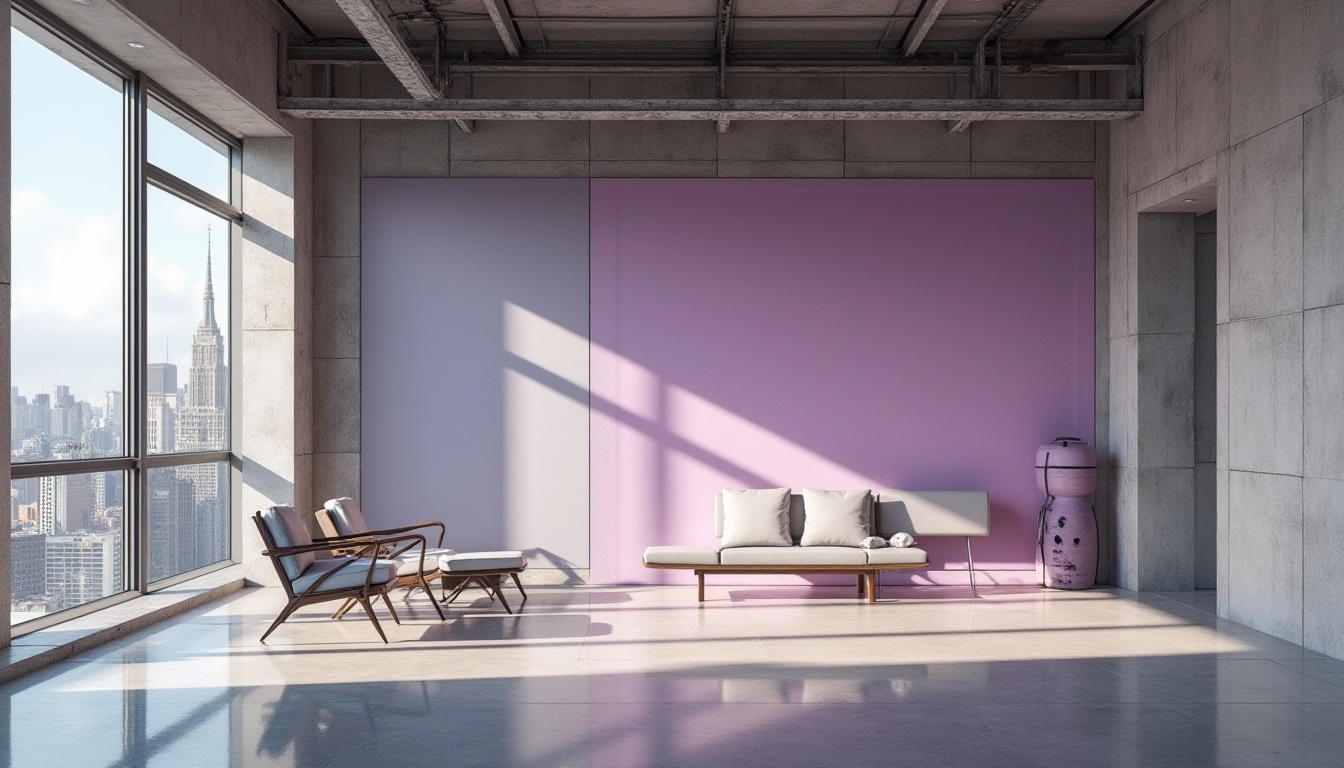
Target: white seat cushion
{"points": [[348, 577], [467, 562], [793, 556], [681, 556], [409, 562], [897, 556]]}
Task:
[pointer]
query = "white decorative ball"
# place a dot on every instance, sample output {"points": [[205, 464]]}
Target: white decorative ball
{"points": [[902, 539]]}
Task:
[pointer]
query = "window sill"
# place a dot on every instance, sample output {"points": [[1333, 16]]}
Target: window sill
{"points": [[44, 647]]}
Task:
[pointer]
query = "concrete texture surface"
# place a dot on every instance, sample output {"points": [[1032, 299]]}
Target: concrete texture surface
{"points": [[1265, 223], [1265, 395], [1323, 199], [1165, 418], [1323, 393], [1165, 534], [1266, 547], [1165, 273], [336, 307], [1322, 571]]}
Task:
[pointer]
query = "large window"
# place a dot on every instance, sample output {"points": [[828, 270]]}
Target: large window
{"points": [[124, 222]]}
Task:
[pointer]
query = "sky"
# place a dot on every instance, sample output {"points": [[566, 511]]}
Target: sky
{"points": [[67, 188]]}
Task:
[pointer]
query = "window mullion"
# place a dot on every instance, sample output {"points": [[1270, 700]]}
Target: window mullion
{"points": [[136, 506]]}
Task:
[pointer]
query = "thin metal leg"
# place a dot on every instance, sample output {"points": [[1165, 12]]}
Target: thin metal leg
{"points": [[390, 609], [970, 565]]}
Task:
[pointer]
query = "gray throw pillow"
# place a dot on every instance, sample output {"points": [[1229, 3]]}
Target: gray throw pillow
{"points": [[835, 518], [756, 518]]}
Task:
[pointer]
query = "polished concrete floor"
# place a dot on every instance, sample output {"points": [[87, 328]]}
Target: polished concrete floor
{"points": [[643, 676]]}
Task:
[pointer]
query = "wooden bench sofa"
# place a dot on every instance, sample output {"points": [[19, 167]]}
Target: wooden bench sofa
{"points": [[920, 513]]}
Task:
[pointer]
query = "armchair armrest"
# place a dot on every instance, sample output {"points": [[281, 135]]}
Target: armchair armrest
{"points": [[389, 532]]}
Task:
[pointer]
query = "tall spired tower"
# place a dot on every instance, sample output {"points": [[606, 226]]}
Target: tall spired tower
{"points": [[203, 425]]}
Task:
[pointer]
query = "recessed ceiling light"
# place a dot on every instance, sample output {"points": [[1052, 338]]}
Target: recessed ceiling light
{"points": [[1188, 200], [136, 45]]}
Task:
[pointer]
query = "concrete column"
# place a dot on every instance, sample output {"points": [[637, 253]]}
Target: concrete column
{"points": [[1152, 412], [268, 397], [5, 564], [336, 303]]}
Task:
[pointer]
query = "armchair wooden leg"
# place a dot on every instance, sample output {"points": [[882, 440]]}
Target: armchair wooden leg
{"points": [[345, 608], [368, 609], [860, 580], [500, 594], [870, 584], [425, 586], [390, 609], [280, 619], [519, 584], [700, 585]]}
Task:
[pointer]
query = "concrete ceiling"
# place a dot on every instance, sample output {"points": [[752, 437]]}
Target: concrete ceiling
{"points": [[690, 25]]}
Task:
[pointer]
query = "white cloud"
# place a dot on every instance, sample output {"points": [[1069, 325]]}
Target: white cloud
{"points": [[75, 285]]}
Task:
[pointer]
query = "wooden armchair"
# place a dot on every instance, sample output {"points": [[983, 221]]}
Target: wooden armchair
{"points": [[343, 526], [368, 571]]}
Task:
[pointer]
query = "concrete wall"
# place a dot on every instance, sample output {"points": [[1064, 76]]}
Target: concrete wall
{"points": [[346, 151], [1243, 113]]}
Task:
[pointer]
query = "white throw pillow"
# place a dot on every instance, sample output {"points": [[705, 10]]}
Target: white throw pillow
{"points": [[835, 518], [756, 518]]}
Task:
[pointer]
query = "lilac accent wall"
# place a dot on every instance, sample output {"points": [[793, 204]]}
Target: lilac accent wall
{"points": [[918, 334]]}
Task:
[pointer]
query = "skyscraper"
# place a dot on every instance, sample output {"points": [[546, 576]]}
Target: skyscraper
{"points": [[83, 567], [161, 379], [203, 420], [65, 504]]}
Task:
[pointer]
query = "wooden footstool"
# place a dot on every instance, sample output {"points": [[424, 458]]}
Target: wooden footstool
{"points": [[484, 569]]}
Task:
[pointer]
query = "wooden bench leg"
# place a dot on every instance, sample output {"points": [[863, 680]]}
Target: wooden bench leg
{"points": [[870, 579], [700, 584], [860, 589]]}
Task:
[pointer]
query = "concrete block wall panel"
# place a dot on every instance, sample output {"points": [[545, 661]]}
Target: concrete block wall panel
{"points": [[1288, 61], [1266, 551], [1323, 393], [1323, 539], [1265, 395], [1250, 88], [1265, 223], [1323, 199], [1166, 531]]}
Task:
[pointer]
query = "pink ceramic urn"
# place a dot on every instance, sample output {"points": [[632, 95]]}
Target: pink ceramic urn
{"points": [[1066, 553]]}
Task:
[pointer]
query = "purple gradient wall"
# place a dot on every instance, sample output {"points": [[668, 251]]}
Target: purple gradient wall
{"points": [[919, 334]]}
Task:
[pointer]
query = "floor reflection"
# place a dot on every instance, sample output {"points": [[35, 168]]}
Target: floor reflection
{"points": [[899, 683]]}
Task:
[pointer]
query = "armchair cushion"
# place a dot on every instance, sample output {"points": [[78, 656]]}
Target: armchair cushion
{"points": [[349, 577], [345, 517], [408, 563], [287, 530]]}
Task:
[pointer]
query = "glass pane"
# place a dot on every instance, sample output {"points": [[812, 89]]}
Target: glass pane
{"points": [[66, 542], [68, 300], [188, 518], [177, 146], [187, 392]]}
